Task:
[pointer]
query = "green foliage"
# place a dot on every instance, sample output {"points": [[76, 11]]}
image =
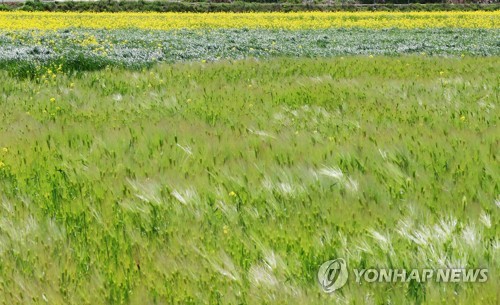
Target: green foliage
{"points": [[38, 6], [244, 6], [231, 182], [30, 53]]}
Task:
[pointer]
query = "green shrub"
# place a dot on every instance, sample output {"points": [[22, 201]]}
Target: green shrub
{"points": [[243, 6]]}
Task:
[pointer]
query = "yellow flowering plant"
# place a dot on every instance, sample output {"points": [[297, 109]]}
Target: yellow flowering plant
{"points": [[276, 20]]}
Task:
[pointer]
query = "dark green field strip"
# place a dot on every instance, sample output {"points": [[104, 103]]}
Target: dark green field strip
{"points": [[79, 49], [242, 6]]}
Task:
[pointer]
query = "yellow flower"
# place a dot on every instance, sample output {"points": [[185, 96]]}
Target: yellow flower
{"points": [[462, 118], [5, 150], [52, 100], [2, 164], [72, 85], [18, 20], [232, 194], [225, 229], [441, 72]]}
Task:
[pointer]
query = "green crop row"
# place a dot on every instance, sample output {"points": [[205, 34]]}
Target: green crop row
{"points": [[30, 53]]}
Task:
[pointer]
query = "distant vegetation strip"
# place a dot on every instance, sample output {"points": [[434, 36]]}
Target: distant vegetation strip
{"points": [[29, 53], [240, 6], [292, 21]]}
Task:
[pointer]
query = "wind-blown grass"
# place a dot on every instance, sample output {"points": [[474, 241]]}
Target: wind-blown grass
{"points": [[231, 182]]}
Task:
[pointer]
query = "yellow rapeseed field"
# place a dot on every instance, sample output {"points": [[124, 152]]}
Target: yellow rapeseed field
{"points": [[298, 20]]}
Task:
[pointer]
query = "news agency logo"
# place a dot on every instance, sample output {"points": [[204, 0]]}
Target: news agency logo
{"points": [[333, 275]]}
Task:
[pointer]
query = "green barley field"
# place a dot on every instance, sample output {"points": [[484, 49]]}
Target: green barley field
{"points": [[231, 182]]}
